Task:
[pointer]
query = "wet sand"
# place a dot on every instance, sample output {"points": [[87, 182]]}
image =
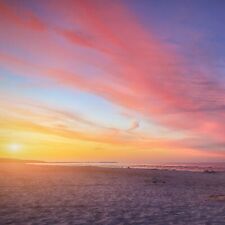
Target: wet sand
{"points": [[88, 195]]}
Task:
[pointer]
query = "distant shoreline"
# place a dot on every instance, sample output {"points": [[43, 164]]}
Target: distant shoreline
{"points": [[80, 162], [209, 168], [193, 167], [14, 160]]}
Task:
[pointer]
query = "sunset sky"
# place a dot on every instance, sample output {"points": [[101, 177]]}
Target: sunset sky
{"points": [[128, 81]]}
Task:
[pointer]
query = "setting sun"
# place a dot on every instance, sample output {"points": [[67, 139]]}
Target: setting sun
{"points": [[14, 147]]}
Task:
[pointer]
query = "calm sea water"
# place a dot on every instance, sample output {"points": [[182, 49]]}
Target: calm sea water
{"points": [[196, 167]]}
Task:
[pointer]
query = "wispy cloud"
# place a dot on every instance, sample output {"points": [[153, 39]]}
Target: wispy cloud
{"points": [[134, 125]]}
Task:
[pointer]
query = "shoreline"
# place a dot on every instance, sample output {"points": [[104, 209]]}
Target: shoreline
{"points": [[209, 170], [178, 167]]}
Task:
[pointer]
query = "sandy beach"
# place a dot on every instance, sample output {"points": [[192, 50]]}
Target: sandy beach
{"points": [[88, 195]]}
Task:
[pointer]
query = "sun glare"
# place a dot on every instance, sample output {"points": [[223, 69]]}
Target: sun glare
{"points": [[14, 147]]}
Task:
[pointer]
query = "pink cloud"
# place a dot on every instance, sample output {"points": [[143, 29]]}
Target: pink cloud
{"points": [[134, 125], [28, 19]]}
